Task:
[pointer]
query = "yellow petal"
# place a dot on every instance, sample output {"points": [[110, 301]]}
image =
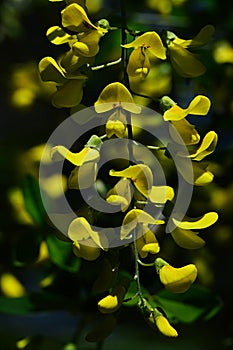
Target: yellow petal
{"points": [[83, 177], [160, 194], [51, 71], [164, 327], [150, 41], [178, 280], [116, 124], [185, 130], [187, 239], [118, 200], [85, 155], [69, 94], [200, 39], [88, 44], [200, 105], [113, 301], [185, 62], [11, 287], [138, 64], [122, 189], [204, 221], [58, 36], [79, 230], [116, 95], [207, 146], [75, 19], [135, 216], [140, 174], [147, 242], [87, 252], [202, 176]]}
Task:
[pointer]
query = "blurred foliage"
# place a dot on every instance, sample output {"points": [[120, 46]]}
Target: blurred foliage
{"points": [[39, 283]]}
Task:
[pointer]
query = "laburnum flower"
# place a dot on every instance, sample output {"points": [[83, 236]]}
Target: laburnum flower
{"points": [[146, 242], [142, 178], [113, 301], [146, 44], [84, 174], [132, 220], [74, 18], [184, 62], [87, 243], [116, 96], [200, 105], [69, 85], [183, 234], [176, 280], [120, 194], [156, 320]]}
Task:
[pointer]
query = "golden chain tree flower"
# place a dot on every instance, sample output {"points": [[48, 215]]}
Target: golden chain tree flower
{"points": [[146, 242], [87, 243], [184, 62], [183, 234], [139, 62], [176, 280]]}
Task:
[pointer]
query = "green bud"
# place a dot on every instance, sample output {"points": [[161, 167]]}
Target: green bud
{"points": [[166, 103], [94, 142], [103, 23]]}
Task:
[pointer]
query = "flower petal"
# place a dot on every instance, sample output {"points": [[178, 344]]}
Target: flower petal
{"points": [[152, 42], [88, 252], [79, 230], [83, 176], [85, 155], [207, 146], [135, 216], [138, 64], [58, 36], [164, 327], [178, 280], [204, 221], [69, 94], [185, 62], [51, 71], [160, 194], [185, 130], [187, 239], [116, 95], [200, 39], [140, 174], [75, 19]]}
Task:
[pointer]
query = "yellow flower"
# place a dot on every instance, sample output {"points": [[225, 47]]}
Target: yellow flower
{"points": [[200, 105], [75, 19], [113, 301], [116, 124], [146, 242], [183, 61], [176, 280], [69, 86], [183, 234], [120, 194], [11, 286], [87, 243], [135, 217], [139, 63], [116, 95], [140, 174], [164, 327]]}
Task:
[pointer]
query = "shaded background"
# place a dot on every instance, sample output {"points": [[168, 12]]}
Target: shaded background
{"points": [[27, 120]]}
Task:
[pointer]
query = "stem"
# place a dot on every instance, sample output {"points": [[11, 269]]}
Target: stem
{"points": [[104, 65], [124, 30], [136, 276]]}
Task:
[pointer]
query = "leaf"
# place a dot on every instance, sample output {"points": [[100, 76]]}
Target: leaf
{"points": [[131, 292], [32, 199], [198, 303], [61, 254], [17, 306]]}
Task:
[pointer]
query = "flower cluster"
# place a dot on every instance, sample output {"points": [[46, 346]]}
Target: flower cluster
{"points": [[132, 188]]}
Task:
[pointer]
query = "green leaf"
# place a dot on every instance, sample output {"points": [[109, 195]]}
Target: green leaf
{"points": [[195, 304], [17, 306], [32, 199], [131, 294], [61, 254]]}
